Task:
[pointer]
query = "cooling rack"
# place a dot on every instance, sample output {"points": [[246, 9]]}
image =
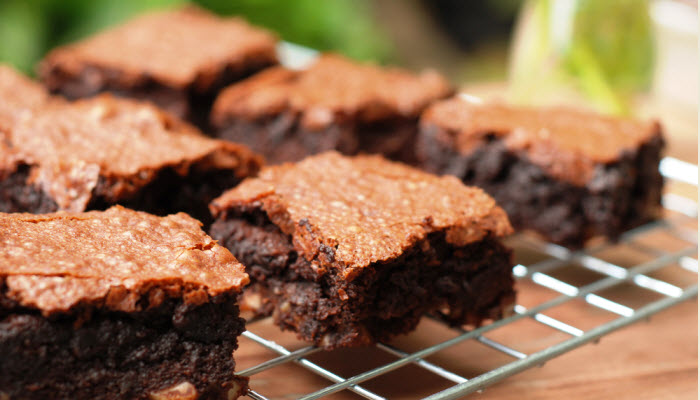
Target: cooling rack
{"points": [[667, 243], [679, 227]]}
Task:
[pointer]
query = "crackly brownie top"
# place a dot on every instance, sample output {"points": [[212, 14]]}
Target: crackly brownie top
{"points": [[348, 212], [332, 87], [71, 145], [18, 95], [565, 141], [178, 48], [118, 259]]}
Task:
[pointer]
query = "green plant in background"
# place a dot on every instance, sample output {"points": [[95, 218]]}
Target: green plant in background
{"points": [[346, 26], [29, 28], [23, 32], [600, 49]]}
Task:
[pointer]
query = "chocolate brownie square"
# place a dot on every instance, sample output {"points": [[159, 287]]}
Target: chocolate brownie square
{"points": [[347, 251], [116, 304], [334, 104], [178, 59], [18, 95], [566, 174], [103, 151]]}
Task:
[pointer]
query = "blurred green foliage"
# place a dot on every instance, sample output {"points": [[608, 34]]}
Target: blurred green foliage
{"points": [[29, 28], [612, 45], [602, 49]]}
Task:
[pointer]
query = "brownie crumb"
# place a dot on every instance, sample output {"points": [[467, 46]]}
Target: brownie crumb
{"points": [[116, 304], [178, 59], [564, 174], [98, 152], [348, 251], [334, 104]]}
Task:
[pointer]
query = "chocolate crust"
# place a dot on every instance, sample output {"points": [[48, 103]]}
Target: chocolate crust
{"points": [[332, 87], [347, 251], [620, 194], [181, 71], [567, 143], [95, 153], [117, 260], [334, 104], [116, 304], [188, 103], [461, 285], [19, 95], [366, 208]]}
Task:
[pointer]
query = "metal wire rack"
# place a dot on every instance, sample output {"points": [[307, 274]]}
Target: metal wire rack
{"points": [[681, 214], [680, 223]]}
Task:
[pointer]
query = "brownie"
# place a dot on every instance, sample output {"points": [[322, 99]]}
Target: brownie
{"points": [[179, 59], [18, 96], [97, 152], [348, 251], [116, 304], [334, 104], [566, 174]]}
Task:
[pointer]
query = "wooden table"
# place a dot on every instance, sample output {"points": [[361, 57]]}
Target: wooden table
{"points": [[650, 360]]}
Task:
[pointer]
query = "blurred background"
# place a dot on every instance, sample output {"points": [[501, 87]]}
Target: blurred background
{"points": [[636, 57]]}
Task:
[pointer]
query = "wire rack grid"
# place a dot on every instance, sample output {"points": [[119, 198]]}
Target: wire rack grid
{"points": [[681, 212], [681, 216]]}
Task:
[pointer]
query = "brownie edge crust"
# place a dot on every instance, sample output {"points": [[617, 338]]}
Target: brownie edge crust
{"points": [[565, 174], [94, 153], [620, 196], [334, 104], [116, 304], [348, 251], [461, 285], [181, 71]]}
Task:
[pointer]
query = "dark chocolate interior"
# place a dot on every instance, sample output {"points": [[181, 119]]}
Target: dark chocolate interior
{"points": [[171, 192], [191, 103], [282, 138], [94, 354], [17, 195], [168, 193], [459, 284], [620, 196]]}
